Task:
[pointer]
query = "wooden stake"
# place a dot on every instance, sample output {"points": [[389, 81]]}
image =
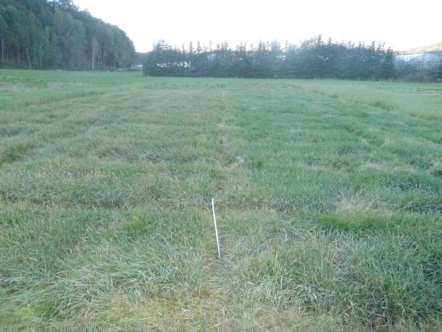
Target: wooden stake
{"points": [[216, 228]]}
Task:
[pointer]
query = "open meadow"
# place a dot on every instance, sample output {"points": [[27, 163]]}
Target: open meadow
{"points": [[328, 197]]}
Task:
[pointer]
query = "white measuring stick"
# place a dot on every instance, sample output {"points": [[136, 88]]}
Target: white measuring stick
{"points": [[216, 228]]}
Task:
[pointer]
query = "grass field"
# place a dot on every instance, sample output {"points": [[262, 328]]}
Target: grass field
{"points": [[328, 193]]}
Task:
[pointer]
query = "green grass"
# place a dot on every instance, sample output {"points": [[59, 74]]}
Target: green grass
{"points": [[328, 193]]}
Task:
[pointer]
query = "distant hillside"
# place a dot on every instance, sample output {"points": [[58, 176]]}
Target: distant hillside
{"points": [[420, 64], [426, 49], [47, 34]]}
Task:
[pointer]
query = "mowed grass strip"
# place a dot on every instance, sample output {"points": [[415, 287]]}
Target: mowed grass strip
{"points": [[329, 196]]}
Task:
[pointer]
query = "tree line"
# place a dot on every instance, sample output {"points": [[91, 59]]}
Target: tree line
{"points": [[47, 34], [314, 58]]}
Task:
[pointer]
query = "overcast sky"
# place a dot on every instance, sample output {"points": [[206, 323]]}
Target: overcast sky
{"points": [[401, 24]]}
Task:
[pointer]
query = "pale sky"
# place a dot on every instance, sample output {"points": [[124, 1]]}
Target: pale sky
{"points": [[401, 24]]}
